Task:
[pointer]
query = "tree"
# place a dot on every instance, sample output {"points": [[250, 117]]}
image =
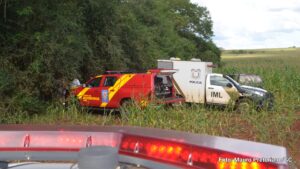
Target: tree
{"points": [[45, 44]]}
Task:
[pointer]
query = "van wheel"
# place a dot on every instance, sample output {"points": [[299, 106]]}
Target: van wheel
{"points": [[72, 102], [244, 105], [125, 105]]}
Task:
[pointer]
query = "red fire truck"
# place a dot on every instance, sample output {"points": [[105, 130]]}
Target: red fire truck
{"points": [[113, 89]]}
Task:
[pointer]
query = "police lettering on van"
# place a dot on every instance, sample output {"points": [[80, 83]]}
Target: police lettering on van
{"points": [[195, 74]]}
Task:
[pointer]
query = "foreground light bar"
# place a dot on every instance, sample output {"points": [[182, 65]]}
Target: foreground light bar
{"points": [[139, 145]]}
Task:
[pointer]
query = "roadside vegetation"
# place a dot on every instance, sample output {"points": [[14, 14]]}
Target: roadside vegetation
{"points": [[280, 126], [46, 44]]}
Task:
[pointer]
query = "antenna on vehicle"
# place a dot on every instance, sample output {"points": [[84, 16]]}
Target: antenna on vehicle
{"points": [[174, 58]]}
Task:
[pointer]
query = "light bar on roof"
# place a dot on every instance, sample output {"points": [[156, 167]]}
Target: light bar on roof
{"points": [[168, 71]]}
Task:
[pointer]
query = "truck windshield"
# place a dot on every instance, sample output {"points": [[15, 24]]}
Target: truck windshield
{"points": [[231, 80], [236, 84]]}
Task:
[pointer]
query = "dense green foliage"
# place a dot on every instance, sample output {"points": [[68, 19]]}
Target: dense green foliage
{"points": [[44, 44]]}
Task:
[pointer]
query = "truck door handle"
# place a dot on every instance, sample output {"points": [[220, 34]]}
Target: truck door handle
{"points": [[210, 88], [112, 90]]}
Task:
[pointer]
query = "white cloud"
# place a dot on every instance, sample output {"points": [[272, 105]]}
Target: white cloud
{"points": [[245, 24]]}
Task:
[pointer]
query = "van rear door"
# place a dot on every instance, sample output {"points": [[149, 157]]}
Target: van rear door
{"points": [[164, 87]]}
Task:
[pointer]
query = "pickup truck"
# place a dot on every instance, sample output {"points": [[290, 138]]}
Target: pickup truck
{"points": [[198, 84]]}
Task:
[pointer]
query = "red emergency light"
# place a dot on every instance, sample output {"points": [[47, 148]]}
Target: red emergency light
{"points": [[212, 66], [187, 155]]}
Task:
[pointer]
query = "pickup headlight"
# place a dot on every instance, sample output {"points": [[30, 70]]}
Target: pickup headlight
{"points": [[259, 93]]}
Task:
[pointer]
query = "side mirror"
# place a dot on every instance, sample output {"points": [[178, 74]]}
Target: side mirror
{"points": [[229, 85]]}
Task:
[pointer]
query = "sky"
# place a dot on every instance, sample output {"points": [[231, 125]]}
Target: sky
{"points": [[254, 24]]}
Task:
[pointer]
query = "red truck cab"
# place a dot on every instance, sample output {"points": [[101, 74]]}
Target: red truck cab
{"points": [[112, 89]]}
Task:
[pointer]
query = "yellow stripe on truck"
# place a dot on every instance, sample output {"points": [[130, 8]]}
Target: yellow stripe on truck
{"points": [[90, 98], [82, 92], [117, 86]]}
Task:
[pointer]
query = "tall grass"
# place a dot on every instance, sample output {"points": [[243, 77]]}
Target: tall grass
{"points": [[280, 70], [281, 76]]}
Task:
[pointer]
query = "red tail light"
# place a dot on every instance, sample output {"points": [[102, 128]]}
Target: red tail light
{"points": [[186, 155]]}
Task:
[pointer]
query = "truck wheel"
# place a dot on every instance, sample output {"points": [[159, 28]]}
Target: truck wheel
{"points": [[269, 104], [244, 105]]}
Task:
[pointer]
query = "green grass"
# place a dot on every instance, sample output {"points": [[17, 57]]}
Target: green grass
{"points": [[255, 53], [280, 70]]}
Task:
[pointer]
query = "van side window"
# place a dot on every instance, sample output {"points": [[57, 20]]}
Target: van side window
{"points": [[218, 81], [110, 81], [94, 83]]}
